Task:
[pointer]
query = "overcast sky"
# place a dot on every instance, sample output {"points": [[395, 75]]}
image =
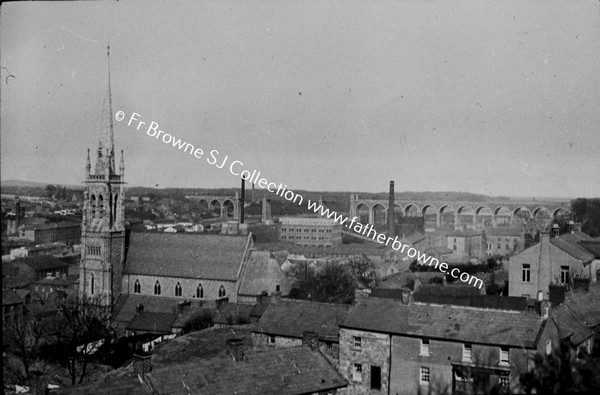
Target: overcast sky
{"points": [[486, 96]]}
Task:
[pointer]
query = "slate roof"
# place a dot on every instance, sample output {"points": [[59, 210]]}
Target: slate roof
{"points": [[117, 386], [439, 250], [294, 370], [289, 317], [569, 326], [448, 322], [261, 274], [585, 305], [152, 322], [185, 255], [41, 262], [502, 231], [570, 244], [127, 305], [592, 246], [10, 297], [237, 311], [464, 233], [63, 224]]}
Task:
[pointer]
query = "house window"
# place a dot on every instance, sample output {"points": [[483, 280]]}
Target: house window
{"points": [[424, 376], [375, 377], [272, 339], [221, 291], [277, 288], [526, 273], [157, 288], [564, 274], [424, 348], [137, 288], [199, 291], [178, 289], [504, 356], [357, 372], [504, 383], [466, 353], [357, 342]]}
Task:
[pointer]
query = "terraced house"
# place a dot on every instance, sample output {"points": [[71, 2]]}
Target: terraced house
{"points": [[396, 347]]}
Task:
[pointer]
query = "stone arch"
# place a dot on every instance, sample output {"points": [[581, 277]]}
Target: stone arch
{"points": [[363, 213], [215, 206], [486, 218], [502, 215], [540, 209], [398, 213], [94, 205], [407, 209], [521, 209], [200, 291], [446, 218], [228, 208], [555, 212], [203, 203], [460, 213], [379, 214]]}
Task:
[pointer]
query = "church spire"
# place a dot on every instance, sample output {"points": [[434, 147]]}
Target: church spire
{"points": [[111, 138]]}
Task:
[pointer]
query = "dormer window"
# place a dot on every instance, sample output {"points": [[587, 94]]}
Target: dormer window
{"points": [[467, 353], [504, 360], [424, 351]]}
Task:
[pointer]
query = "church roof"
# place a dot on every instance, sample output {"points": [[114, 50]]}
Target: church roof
{"points": [[210, 257]]}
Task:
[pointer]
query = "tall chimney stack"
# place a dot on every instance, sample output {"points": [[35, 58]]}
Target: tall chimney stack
{"points": [[391, 212], [242, 200]]}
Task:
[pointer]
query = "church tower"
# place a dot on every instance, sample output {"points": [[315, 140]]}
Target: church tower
{"points": [[103, 224]]}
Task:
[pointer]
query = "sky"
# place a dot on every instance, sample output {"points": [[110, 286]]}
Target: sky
{"points": [[486, 96]]}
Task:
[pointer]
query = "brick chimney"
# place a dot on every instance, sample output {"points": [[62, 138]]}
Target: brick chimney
{"points": [[142, 364], [391, 212], [545, 309], [310, 339], [236, 348]]}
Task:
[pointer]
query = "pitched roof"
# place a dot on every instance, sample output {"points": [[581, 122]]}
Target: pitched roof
{"points": [[464, 233], [289, 317], [592, 246], [458, 323], [116, 386], [152, 322], [569, 325], [127, 305], [41, 262], [237, 311], [261, 272], [10, 297], [185, 255], [570, 244], [294, 370], [585, 305], [502, 231], [439, 250]]}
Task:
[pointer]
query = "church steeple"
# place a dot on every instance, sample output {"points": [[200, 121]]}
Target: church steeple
{"points": [[103, 222]]}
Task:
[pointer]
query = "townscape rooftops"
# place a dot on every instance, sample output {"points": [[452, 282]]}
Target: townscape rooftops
{"points": [[128, 304], [569, 326], [10, 297], [585, 305], [464, 233], [237, 312], [503, 231], [438, 250], [64, 224], [570, 244], [454, 323], [295, 370], [152, 322], [183, 255], [261, 271], [288, 317], [41, 262]]}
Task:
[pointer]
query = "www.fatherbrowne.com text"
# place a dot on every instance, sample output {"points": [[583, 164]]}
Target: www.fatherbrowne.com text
{"points": [[236, 168]]}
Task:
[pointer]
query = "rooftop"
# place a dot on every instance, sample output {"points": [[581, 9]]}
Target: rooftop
{"points": [[185, 255], [448, 322], [289, 317], [502, 231], [262, 271], [570, 243], [147, 321], [40, 262]]}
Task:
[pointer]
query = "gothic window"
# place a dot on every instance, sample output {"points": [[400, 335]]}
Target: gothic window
{"points": [[92, 283], [199, 291], [221, 291], [100, 206], [94, 206], [137, 288], [157, 288], [114, 209], [178, 290]]}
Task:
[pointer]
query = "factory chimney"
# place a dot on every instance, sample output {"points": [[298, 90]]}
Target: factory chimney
{"points": [[242, 200], [391, 212]]}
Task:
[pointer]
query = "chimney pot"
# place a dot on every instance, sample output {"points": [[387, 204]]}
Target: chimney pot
{"points": [[310, 339]]}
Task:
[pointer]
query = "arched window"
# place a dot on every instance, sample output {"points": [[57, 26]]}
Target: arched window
{"points": [[91, 283], [199, 291], [94, 206], [221, 291], [114, 209], [178, 290], [157, 288], [137, 288]]}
